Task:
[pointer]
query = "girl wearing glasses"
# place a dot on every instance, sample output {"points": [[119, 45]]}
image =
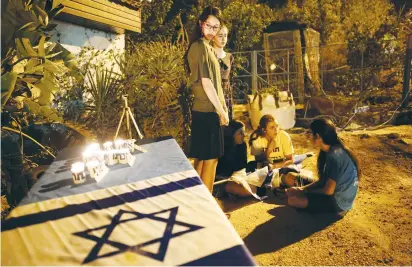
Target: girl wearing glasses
{"points": [[209, 111], [225, 61], [338, 171]]}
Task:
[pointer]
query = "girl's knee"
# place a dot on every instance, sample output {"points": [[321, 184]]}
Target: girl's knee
{"points": [[236, 189], [292, 201], [229, 187]]}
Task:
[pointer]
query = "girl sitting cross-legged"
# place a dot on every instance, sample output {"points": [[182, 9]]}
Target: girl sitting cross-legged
{"points": [[272, 149], [235, 150], [338, 170]]}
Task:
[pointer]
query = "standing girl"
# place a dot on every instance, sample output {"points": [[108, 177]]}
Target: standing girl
{"points": [[209, 111], [225, 61]]}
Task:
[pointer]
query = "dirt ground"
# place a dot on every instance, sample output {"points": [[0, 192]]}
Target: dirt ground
{"points": [[377, 231]]}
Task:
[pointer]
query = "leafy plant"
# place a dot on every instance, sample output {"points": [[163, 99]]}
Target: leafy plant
{"points": [[30, 64], [248, 19], [30, 67], [103, 93], [155, 22], [4, 207], [156, 82]]}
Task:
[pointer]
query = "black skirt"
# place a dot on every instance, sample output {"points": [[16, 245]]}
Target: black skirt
{"points": [[206, 136]]}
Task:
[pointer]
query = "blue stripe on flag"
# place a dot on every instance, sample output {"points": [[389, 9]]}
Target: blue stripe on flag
{"points": [[234, 256], [116, 200]]}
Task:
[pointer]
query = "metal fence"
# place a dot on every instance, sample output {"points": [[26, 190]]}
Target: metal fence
{"points": [[327, 69]]}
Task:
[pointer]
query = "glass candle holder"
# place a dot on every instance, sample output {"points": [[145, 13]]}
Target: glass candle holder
{"points": [[123, 155], [93, 147], [110, 157], [99, 156], [87, 156], [93, 168], [108, 146], [78, 174], [129, 143], [119, 144]]}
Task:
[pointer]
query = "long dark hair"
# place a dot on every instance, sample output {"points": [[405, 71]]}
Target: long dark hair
{"points": [[230, 131], [263, 123], [327, 130], [197, 32]]}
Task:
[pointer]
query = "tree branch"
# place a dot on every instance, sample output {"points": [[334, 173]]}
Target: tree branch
{"points": [[29, 137]]}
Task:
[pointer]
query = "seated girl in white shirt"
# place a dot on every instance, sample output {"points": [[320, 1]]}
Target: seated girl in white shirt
{"points": [[271, 147]]}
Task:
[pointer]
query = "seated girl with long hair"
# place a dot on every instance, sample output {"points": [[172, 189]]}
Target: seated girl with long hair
{"points": [[268, 144], [235, 150], [273, 147], [338, 170]]}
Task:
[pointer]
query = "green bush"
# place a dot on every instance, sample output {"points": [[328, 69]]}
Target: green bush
{"points": [[103, 93], [30, 69], [156, 82]]}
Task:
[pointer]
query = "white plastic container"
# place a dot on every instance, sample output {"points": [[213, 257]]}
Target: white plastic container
{"points": [[285, 112]]}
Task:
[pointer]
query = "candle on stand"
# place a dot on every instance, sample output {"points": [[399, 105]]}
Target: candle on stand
{"points": [[93, 152], [115, 156], [93, 147], [108, 146], [92, 167], [102, 170], [130, 144], [123, 155], [87, 156], [110, 157], [99, 156], [119, 144], [97, 170], [78, 174]]}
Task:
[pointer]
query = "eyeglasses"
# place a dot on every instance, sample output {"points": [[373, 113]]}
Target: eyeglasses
{"points": [[210, 27]]}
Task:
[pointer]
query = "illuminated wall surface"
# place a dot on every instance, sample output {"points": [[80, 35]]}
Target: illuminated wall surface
{"points": [[74, 38]]}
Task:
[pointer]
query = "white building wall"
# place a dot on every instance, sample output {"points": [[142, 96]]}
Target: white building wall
{"points": [[75, 38]]}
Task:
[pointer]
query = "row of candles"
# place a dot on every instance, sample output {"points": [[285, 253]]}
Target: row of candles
{"points": [[96, 160]]}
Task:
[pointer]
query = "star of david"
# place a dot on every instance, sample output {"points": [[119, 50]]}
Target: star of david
{"points": [[139, 248]]}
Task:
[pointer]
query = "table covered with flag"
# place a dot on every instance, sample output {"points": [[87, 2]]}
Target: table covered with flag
{"points": [[156, 212]]}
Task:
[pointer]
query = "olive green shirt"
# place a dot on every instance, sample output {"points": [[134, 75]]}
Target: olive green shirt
{"points": [[204, 64]]}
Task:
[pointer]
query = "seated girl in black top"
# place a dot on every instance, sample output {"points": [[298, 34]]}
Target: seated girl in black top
{"points": [[235, 150]]}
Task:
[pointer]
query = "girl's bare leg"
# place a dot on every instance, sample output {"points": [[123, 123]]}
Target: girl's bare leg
{"points": [[298, 202], [237, 189], [198, 166], [290, 179], [297, 199], [208, 173]]}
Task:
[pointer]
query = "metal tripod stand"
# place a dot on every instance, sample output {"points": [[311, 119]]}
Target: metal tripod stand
{"points": [[129, 115]]}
